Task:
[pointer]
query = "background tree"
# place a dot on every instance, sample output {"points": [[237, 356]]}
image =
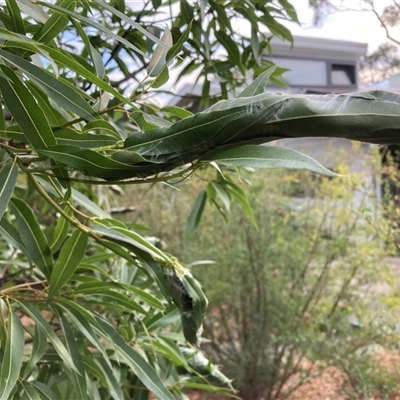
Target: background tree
{"points": [[383, 62]]}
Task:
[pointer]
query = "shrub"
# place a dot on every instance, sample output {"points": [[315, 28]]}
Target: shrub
{"points": [[287, 299]]}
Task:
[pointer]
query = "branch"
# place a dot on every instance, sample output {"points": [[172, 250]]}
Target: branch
{"points": [[127, 77], [383, 24]]}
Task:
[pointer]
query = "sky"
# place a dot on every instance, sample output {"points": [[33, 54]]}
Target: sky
{"points": [[355, 26]]}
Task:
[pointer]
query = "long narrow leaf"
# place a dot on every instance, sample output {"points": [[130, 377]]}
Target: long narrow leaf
{"points": [[61, 231], [25, 110], [92, 22], [31, 393], [84, 321], [13, 355], [54, 25], [267, 157], [62, 58], [78, 378], [8, 179], [34, 313], [133, 23], [258, 85], [144, 371], [15, 15], [196, 213], [45, 391], [63, 94], [32, 236], [105, 374], [90, 162], [70, 256], [38, 349], [11, 234]]}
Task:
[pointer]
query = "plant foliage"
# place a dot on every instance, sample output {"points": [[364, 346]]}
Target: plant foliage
{"points": [[91, 308]]}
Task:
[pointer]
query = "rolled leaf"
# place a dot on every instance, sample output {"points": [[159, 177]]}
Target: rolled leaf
{"points": [[372, 117]]}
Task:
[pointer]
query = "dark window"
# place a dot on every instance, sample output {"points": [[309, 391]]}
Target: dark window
{"points": [[343, 75]]}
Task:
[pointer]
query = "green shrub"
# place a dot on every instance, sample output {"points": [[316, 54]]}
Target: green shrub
{"points": [[286, 299]]}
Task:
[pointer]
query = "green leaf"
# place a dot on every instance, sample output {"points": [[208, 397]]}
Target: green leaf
{"points": [[11, 234], [223, 19], [167, 349], [70, 256], [32, 236], [102, 371], [241, 198], [162, 320], [177, 47], [16, 17], [8, 179], [94, 54], [78, 378], [230, 46], [101, 125], [34, 11], [96, 286], [62, 93], [84, 320], [13, 355], [65, 59], [92, 207], [258, 85], [186, 11], [143, 370], [268, 157], [54, 25], [277, 28], [158, 60], [222, 194], [90, 162], [61, 231], [177, 111], [131, 240], [38, 350], [45, 391], [255, 44], [134, 24], [25, 110], [161, 79], [290, 10], [95, 24], [196, 213], [40, 321], [30, 393]]}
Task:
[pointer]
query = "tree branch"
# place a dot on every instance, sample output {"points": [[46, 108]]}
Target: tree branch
{"points": [[383, 25]]}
